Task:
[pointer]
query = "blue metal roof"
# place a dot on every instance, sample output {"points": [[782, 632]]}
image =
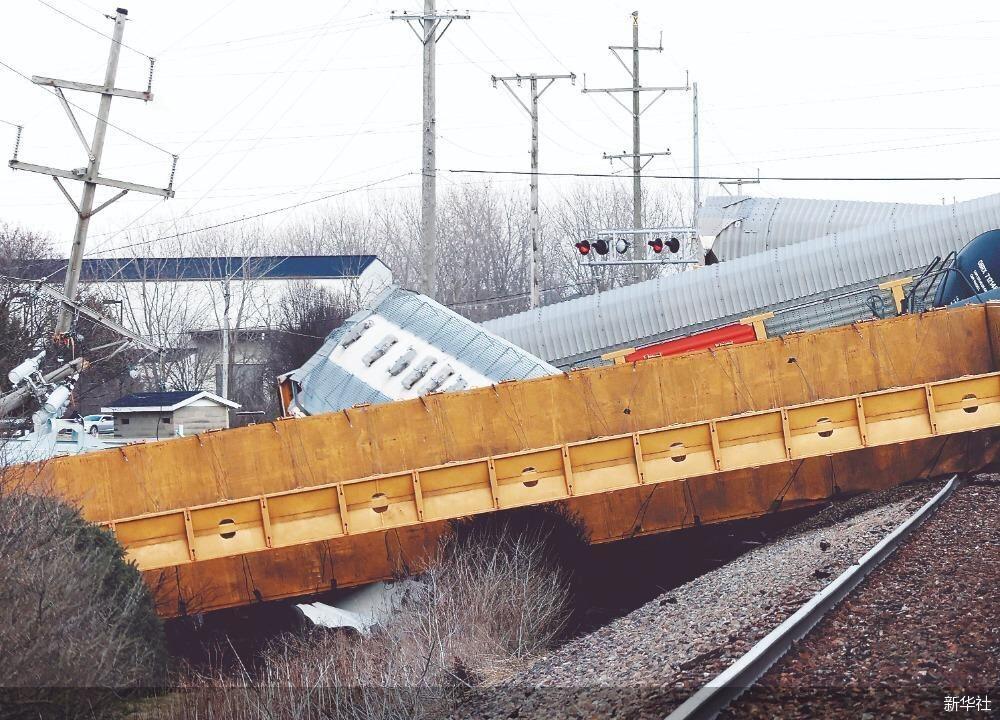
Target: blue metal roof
{"points": [[154, 399], [275, 267]]}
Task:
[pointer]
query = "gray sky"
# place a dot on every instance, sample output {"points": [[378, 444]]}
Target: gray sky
{"points": [[271, 104]]}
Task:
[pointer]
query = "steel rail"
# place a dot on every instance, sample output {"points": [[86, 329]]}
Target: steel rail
{"points": [[732, 682]]}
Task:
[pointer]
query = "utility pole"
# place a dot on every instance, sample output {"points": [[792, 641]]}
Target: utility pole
{"points": [[89, 175], [696, 165], [429, 35], [636, 111], [535, 259], [225, 339]]}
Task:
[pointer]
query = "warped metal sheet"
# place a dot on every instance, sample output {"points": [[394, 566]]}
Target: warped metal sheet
{"points": [[357, 363], [745, 225]]}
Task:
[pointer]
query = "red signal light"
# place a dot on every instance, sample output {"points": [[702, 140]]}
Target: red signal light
{"points": [[584, 247], [657, 245], [601, 247]]}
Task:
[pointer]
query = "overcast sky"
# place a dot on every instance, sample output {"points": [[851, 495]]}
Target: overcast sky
{"points": [[270, 104]]}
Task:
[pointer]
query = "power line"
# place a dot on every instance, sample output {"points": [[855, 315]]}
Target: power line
{"points": [[93, 115], [93, 29], [255, 216], [776, 178]]}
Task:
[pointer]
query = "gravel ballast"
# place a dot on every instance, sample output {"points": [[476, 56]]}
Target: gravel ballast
{"points": [[646, 663]]}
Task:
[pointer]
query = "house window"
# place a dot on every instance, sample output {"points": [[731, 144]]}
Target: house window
{"points": [[165, 420], [123, 421]]}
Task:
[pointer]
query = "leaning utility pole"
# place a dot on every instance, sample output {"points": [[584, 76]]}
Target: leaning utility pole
{"points": [[535, 260], [636, 155], [430, 21], [89, 175]]}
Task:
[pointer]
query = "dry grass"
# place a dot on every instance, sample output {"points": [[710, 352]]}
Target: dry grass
{"points": [[493, 598], [77, 623]]}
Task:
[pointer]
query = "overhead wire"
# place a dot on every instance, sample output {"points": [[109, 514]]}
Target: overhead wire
{"points": [[776, 178], [93, 29], [264, 213], [85, 110]]}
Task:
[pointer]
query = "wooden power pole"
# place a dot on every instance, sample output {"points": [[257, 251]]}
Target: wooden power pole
{"points": [[95, 148], [535, 258], [636, 89], [430, 32]]}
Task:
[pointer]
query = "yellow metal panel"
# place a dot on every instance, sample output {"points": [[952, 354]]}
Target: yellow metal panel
{"points": [[530, 478], [155, 541], [824, 428], [456, 490], [896, 415], [304, 516], [227, 529], [678, 452], [603, 465], [381, 502], [751, 440], [966, 404]]}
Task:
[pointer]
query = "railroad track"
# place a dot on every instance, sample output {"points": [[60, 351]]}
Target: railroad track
{"points": [[728, 685]]}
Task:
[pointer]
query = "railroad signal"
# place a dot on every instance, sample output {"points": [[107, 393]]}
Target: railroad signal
{"points": [[673, 245], [601, 247], [622, 246]]}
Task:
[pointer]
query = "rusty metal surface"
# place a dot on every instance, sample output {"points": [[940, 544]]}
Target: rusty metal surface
{"points": [[300, 505]]}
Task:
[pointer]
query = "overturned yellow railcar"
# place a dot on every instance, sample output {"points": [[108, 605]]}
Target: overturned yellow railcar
{"points": [[299, 506]]}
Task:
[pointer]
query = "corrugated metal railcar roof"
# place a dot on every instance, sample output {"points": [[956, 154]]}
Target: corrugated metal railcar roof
{"points": [[339, 376], [576, 332], [745, 225]]}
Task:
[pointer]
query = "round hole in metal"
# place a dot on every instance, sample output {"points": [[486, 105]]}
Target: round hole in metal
{"points": [[969, 404], [531, 482], [227, 529], [678, 446], [824, 428], [380, 502]]}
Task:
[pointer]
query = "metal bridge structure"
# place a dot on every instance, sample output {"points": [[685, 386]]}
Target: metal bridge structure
{"points": [[303, 505]]}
